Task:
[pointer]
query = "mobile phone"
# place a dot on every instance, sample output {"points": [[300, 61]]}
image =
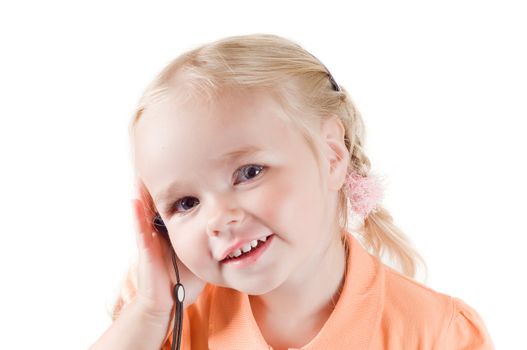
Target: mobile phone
{"points": [[159, 225]]}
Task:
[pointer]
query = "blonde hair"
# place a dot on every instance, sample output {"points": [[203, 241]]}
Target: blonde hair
{"points": [[300, 83]]}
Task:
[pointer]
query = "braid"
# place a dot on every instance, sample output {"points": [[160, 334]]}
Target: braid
{"points": [[354, 140], [379, 232]]}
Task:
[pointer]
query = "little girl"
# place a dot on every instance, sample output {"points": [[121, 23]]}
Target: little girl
{"points": [[249, 160]]}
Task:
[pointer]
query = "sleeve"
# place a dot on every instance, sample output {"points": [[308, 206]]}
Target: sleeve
{"points": [[466, 330]]}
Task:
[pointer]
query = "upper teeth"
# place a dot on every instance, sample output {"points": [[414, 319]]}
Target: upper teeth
{"points": [[246, 248]]}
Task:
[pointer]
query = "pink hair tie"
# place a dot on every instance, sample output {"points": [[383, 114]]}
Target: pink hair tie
{"points": [[364, 193]]}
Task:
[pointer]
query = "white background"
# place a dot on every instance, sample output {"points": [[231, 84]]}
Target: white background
{"points": [[441, 86]]}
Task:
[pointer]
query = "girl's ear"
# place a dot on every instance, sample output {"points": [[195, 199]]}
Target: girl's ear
{"points": [[335, 151]]}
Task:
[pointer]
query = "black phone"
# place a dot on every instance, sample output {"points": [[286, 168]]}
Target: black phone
{"points": [[159, 226]]}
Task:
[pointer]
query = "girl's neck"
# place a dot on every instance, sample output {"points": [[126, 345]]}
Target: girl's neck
{"points": [[309, 300]]}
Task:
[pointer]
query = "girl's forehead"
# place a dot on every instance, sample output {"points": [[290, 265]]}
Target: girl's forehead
{"points": [[230, 107], [171, 131]]}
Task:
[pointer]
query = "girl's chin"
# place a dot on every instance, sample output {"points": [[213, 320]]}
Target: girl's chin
{"points": [[253, 287]]}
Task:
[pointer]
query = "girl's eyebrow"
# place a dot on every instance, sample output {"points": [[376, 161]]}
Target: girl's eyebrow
{"points": [[241, 152], [225, 158]]}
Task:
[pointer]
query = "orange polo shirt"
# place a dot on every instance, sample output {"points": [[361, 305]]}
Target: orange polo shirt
{"points": [[379, 308]]}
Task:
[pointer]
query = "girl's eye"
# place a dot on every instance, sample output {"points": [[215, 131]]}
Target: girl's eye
{"points": [[186, 201], [248, 171], [251, 172]]}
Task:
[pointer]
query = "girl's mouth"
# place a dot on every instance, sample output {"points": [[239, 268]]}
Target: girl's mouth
{"points": [[246, 259]]}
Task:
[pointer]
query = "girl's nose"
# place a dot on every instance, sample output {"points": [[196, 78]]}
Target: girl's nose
{"points": [[223, 216]]}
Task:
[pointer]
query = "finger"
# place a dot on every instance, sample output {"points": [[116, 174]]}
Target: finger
{"points": [[149, 208], [152, 247], [157, 249], [142, 231]]}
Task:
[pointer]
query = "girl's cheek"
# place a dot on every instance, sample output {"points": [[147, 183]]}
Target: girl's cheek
{"points": [[182, 241], [274, 202]]}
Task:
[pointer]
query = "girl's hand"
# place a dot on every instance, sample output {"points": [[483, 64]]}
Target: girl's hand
{"points": [[156, 275]]}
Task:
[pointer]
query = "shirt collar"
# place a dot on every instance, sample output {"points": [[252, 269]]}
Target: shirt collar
{"points": [[350, 326]]}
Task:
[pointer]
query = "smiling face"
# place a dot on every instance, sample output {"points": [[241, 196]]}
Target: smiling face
{"points": [[209, 201]]}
